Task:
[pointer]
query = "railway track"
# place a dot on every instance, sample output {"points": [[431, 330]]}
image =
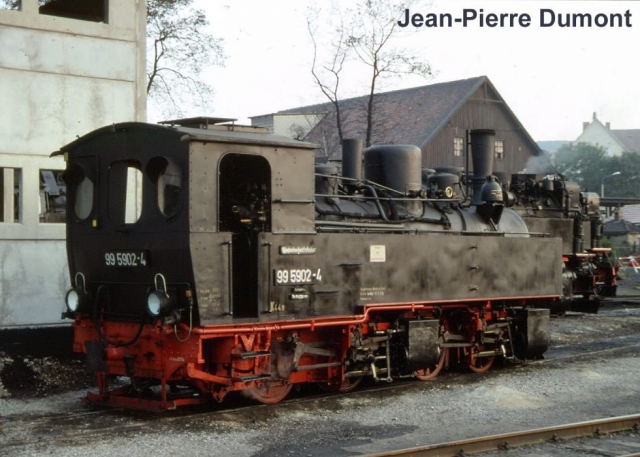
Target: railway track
{"points": [[523, 438], [84, 424], [76, 423]]}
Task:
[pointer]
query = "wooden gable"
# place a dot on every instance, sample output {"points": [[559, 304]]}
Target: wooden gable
{"points": [[484, 109]]}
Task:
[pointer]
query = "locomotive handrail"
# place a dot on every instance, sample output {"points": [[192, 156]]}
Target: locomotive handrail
{"points": [[363, 224], [394, 199], [403, 228], [229, 245], [280, 200], [364, 181]]}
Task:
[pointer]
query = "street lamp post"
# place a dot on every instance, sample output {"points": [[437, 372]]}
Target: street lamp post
{"points": [[606, 209], [602, 182]]}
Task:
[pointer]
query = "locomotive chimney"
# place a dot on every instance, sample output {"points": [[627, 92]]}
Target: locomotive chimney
{"points": [[482, 151], [352, 159]]}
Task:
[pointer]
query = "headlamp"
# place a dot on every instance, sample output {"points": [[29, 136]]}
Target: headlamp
{"points": [[76, 300], [158, 303]]}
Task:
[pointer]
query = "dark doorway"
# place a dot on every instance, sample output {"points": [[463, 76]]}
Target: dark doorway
{"points": [[245, 210]]}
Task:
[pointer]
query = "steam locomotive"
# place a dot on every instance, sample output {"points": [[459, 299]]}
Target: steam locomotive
{"points": [[209, 258]]}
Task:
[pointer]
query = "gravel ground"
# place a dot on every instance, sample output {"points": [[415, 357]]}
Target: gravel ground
{"points": [[52, 420]]}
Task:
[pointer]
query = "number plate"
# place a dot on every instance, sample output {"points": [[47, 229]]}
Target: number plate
{"points": [[130, 259], [293, 276]]}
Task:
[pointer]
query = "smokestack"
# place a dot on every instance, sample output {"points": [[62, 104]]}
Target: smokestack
{"points": [[352, 159], [482, 152]]}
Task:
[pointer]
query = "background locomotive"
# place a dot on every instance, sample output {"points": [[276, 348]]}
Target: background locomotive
{"points": [[553, 205], [203, 261]]}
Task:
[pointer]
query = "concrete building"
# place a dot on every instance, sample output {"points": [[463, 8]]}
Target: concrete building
{"points": [[614, 142], [292, 125], [66, 68]]}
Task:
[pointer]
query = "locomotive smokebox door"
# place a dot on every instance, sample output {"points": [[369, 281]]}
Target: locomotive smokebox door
{"points": [[422, 347]]}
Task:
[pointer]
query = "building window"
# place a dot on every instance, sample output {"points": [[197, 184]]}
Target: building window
{"points": [[53, 196], [85, 10], [458, 146], [10, 195], [11, 5], [499, 149]]}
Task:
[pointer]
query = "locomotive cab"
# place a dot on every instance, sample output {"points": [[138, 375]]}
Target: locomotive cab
{"points": [[123, 209], [176, 212]]}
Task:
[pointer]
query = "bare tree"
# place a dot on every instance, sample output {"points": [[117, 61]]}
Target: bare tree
{"points": [[178, 49], [328, 77], [364, 33], [370, 41]]}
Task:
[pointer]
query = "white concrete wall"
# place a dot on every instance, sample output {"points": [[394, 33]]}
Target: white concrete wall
{"points": [[265, 121], [59, 79], [291, 125], [295, 125]]}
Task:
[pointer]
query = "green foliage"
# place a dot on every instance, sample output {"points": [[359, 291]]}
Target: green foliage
{"points": [[606, 242], [588, 165], [582, 163], [628, 183]]}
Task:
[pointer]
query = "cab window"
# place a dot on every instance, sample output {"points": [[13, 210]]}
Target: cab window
{"points": [[125, 192], [81, 190], [167, 177]]}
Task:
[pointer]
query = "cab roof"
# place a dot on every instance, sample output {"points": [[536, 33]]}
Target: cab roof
{"points": [[209, 132]]}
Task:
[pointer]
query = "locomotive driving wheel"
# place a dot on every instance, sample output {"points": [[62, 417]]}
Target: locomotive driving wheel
{"points": [[479, 364], [271, 392], [431, 372]]}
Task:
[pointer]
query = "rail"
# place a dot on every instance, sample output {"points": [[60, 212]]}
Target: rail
{"points": [[516, 439]]}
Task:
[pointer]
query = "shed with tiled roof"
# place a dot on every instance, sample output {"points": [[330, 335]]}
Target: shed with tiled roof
{"points": [[629, 213], [434, 117], [621, 231], [619, 227]]}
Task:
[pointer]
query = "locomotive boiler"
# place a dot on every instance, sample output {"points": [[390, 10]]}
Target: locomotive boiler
{"points": [[208, 258]]}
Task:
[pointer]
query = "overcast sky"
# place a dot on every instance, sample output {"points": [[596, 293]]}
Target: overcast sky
{"points": [[552, 78]]}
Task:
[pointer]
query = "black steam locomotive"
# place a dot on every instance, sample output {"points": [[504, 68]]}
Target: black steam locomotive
{"points": [[203, 261]]}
